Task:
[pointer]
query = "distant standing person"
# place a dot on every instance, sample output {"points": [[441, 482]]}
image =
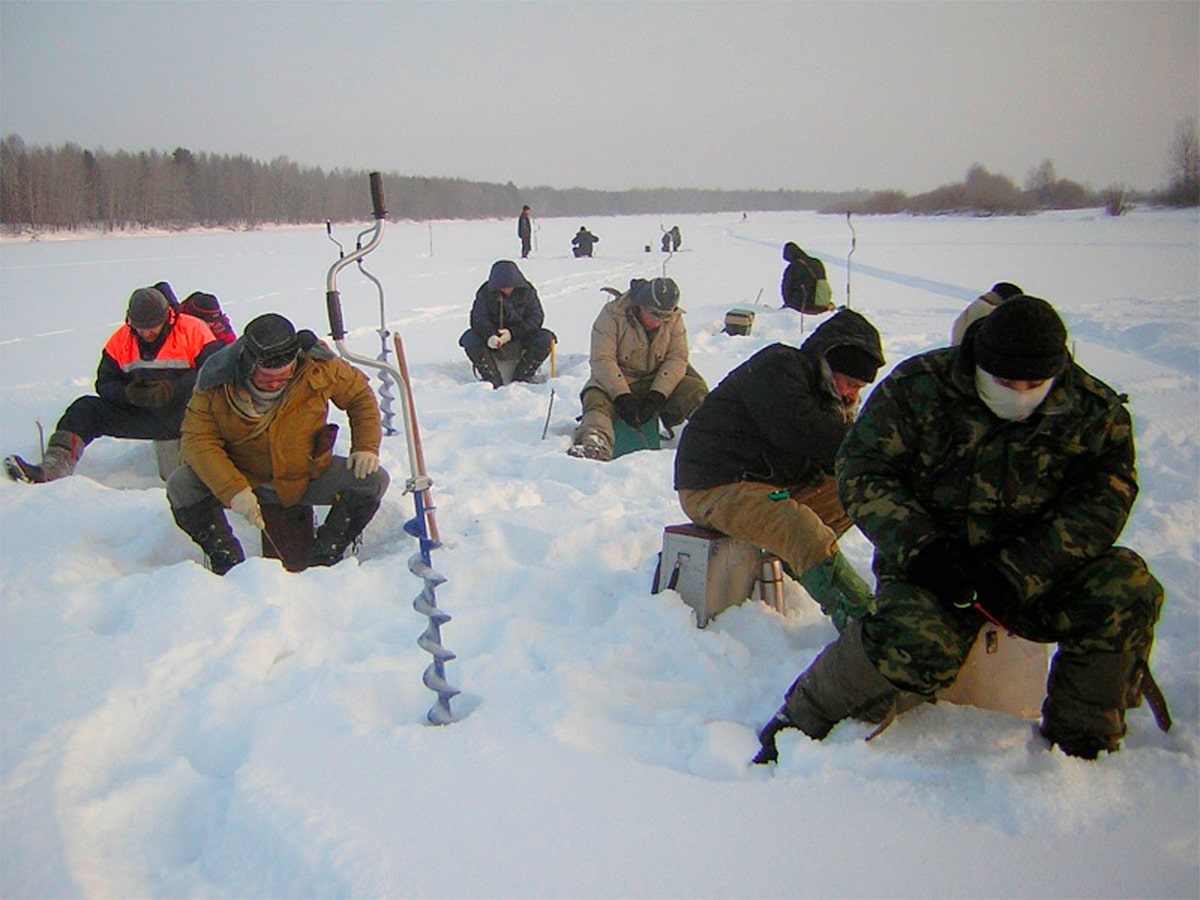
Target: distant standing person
{"points": [[583, 242], [525, 231]]}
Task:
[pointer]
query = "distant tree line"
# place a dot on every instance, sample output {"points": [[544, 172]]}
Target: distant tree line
{"points": [[984, 193], [69, 187]]}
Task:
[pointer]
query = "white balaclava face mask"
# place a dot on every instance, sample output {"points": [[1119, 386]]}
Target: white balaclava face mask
{"points": [[1007, 403]]}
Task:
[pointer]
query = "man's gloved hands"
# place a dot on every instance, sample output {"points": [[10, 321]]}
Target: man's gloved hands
{"points": [[245, 504], [944, 567], [149, 394], [962, 577], [629, 408], [996, 593], [499, 339], [637, 411], [651, 406], [363, 463]]}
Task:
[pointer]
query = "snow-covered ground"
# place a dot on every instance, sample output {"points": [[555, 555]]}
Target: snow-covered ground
{"points": [[169, 733]]}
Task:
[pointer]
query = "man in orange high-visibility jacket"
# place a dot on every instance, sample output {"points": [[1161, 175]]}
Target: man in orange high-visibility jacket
{"points": [[145, 379]]}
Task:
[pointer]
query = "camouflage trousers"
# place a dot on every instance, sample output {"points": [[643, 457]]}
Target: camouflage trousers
{"points": [[598, 409], [1108, 605], [800, 529]]}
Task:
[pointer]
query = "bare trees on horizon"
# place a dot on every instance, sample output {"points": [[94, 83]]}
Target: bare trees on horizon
{"points": [[68, 188]]}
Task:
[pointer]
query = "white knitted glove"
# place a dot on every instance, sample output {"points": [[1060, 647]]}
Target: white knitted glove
{"points": [[364, 463], [245, 504], [499, 339]]}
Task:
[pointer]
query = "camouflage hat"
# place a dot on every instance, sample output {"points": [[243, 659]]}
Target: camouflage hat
{"points": [[147, 309], [660, 296], [1023, 339]]}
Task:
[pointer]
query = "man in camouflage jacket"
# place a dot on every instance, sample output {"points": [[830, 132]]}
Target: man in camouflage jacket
{"points": [[994, 480]]}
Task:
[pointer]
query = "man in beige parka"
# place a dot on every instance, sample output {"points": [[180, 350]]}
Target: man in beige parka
{"points": [[256, 432], [640, 369]]}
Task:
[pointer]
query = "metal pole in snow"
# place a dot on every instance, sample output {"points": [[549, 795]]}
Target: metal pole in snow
{"points": [[853, 246]]}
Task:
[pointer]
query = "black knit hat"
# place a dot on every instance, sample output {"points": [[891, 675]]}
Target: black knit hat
{"points": [[147, 309], [201, 304], [852, 361], [269, 342], [1023, 339]]}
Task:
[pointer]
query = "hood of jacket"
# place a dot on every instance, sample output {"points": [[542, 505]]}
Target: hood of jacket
{"points": [[505, 274], [845, 327]]}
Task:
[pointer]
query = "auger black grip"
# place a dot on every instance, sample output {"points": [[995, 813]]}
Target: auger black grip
{"points": [[333, 305], [377, 195]]}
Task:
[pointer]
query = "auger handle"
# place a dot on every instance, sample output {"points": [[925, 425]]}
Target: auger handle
{"points": [[377, 195], [333, 300]]}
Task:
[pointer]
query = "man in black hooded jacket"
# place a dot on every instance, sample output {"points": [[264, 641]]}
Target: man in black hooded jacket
{"points": [[756, 460], [506, 322]]}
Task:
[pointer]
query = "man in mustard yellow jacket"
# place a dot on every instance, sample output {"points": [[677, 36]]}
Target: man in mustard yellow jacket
{"points": [[256, 432]]}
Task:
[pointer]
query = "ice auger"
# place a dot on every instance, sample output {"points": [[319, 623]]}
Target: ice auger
{"points": [[385, 379], [423, 525]]}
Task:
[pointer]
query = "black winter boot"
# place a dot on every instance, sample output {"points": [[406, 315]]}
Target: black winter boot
{"points": [[843, 683], [205, 523], [768, 752], [485, 367], [527, 367], [345, 521], [1086, 697]]}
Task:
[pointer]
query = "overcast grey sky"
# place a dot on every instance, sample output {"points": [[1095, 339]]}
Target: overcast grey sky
{"points": [[613, 95]]}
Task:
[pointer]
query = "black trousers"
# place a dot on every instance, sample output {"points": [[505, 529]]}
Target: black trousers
{"points": [[91, 417]]}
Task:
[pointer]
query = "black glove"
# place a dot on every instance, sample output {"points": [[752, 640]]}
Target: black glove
{"points": [[149, 394], [629, 408], [944, 567], [996, 593], [651, 406]]}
